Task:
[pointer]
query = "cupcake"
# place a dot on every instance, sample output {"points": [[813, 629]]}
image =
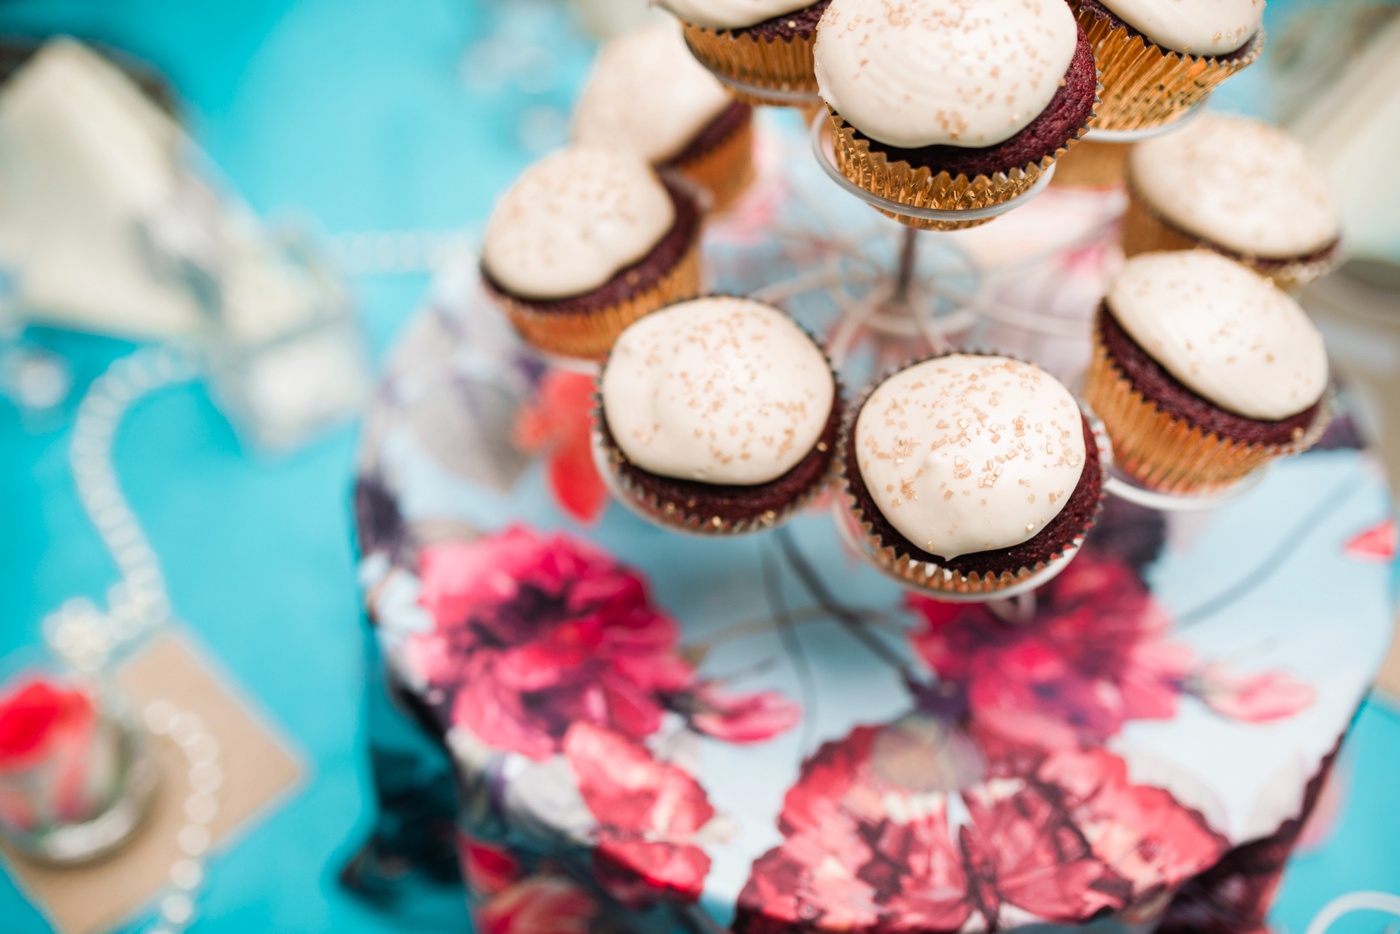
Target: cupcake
{"points": [[763, 45], [586, 242], [648, 95], [1239, 187], [717, 415], [1204, 372], [1159, 58], [971, 473], [951, 105]]}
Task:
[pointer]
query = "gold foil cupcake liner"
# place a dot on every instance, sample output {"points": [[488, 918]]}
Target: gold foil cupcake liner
{"points": [[590, 334], [1146, 85], [921, 187], [930, 576], [726, 169], [1145, 231], [688, 516], [777, 64], [1167, 453]]}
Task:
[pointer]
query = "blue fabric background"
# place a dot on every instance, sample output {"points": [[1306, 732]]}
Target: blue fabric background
{"points": [[354, 113]]}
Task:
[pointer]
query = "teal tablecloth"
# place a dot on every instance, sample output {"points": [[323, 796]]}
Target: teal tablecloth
{"points": [[355, 113]]}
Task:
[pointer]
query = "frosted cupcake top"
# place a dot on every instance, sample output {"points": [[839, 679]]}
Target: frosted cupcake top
{"points": [[969, 73], [1227, 334], [731, 14], [1241, 184], [573, 221], [1198, 27], [647, 94], [719, 390], [969, 453]]}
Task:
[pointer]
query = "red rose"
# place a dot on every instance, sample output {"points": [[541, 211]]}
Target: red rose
{"points": [[34, 717]]}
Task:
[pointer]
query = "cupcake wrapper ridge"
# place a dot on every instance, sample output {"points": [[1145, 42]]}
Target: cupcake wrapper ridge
{"points": [[590, 334], [923, 188], [1167, 453], [778, 64], [1146, 85]]}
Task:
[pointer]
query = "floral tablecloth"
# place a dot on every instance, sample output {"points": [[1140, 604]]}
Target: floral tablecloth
{"points": [[654, 731]]}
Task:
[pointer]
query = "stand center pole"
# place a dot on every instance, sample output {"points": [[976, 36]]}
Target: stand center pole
{"points": [[908, 258]]}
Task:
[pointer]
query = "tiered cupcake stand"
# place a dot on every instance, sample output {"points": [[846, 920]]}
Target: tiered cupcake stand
{"points": [[653, 731]]}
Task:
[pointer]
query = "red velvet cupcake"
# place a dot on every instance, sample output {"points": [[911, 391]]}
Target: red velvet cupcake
{"points": [[717, 416], [1160, 58], [1203, 372], [1240, 187], [586, 242], [952, 106], [763, 45], [648, 95], [971, 474]]}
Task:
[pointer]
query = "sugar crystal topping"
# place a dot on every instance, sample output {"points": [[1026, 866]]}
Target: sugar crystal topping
{"points": [[969, 453], [1228, 334], [718, 390], [1198, 27], [574, 220], [1239, 183], [971, 73]]}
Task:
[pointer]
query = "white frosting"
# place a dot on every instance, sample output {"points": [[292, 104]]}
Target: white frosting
{"points": [[1200, 27], [968, 453], [574, 220], [1241, 184], [648, 94], [1226, 333], [730, 14], [719, 390], [967, 73]]}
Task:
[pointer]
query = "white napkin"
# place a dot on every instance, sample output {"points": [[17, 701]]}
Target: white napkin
{"points": [[84, 157]]}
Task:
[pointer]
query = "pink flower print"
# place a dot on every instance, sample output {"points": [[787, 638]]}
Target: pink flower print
{"points": [[742, 718], [487, 869], [648, 814], [1257, 698], [1378, 543], [844, 858], [870, 840], [1149, 838], [1096, 656], [543, 904], [558, 423], [1023, 850], [534, 633]]}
